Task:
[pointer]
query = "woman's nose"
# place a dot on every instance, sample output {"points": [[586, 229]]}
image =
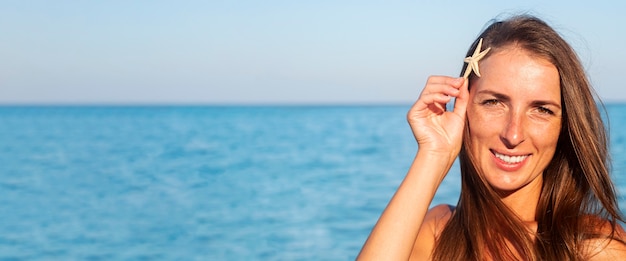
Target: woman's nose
{"points": [[513, 132]]}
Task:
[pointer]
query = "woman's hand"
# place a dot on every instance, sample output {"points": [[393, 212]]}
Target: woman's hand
{"points": [[435, 129], [439, 134]]}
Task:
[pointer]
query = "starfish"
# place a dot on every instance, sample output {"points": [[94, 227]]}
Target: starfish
{"points": [[472, 61]]}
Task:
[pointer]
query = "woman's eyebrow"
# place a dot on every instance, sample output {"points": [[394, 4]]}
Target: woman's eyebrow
{"points": [[497, 95], [546, 102], [504, 97]]}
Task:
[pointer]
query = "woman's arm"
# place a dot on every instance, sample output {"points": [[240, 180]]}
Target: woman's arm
{"points": [[439, 134]]}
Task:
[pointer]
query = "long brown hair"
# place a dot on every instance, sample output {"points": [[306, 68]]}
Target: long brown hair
{"points": [[577, 193]]}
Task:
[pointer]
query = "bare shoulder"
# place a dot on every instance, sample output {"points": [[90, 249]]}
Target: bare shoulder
{"points": [[607, 246], [438, 217], [434, 222]]}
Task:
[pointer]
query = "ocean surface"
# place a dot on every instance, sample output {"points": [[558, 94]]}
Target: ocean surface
{"points": [[208, 183]]}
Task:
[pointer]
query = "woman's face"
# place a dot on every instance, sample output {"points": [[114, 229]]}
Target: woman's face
{"points": [[514, 116]]}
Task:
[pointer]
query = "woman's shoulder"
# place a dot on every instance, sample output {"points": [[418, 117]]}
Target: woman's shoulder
{"points": [[607, 241], [438, 216], [442, 208], [435, 220]]}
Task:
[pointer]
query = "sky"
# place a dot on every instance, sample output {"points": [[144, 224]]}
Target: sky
{"points": [[272, 51]]}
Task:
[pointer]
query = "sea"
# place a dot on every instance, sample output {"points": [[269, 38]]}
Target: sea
{"points": [[209, 182]]}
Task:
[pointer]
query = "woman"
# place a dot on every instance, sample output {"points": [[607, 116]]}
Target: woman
{"points": [[533, 153]]}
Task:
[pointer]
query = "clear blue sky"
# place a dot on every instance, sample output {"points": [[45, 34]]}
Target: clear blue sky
{"points": [[270, 51]]}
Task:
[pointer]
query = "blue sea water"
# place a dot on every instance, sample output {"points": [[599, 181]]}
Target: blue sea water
{"points": [[207, 183]]}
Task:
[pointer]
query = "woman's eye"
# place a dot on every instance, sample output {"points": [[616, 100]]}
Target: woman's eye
{"points": [[545, 110], [490, 102]]}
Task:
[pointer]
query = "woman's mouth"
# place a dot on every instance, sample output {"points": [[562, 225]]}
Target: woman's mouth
{"points": [[510, 159], [509, 162]]}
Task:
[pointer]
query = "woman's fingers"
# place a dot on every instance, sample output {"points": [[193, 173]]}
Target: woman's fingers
{"points": [[443, 84], [433, 126], [460, 104], [438, 91], [431, 98]]}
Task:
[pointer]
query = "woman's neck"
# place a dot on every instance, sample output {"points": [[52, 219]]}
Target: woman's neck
{"points": [[523, 201]]}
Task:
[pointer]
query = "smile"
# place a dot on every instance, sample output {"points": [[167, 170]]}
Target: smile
{"points": [[510, 159]]}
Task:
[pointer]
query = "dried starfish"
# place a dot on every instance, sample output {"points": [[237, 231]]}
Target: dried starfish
{"points": [[472, 61]]}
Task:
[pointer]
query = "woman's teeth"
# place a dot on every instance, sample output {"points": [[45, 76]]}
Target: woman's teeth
{"points": [[510, 159]]}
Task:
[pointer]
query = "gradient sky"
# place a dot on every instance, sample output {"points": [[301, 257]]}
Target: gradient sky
{"points": [[263, 52]]}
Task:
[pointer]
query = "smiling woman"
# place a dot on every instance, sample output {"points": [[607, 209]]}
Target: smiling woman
{"points": [[533, 154], [514, 118]]}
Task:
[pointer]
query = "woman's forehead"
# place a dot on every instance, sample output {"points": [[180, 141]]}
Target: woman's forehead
{"points": [[517, 72]]}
